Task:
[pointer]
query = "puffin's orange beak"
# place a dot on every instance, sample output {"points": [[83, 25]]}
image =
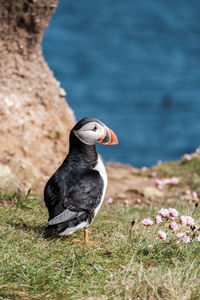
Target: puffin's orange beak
{"points": [[109, 138]]}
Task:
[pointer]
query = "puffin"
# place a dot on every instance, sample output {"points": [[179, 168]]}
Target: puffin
{"points": [[75, 192]]}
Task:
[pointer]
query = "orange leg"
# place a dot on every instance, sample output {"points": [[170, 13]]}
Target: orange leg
{"points": [[85, 241], [86, 232]]}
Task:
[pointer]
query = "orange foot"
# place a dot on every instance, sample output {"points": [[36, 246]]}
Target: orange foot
{"points": [[85, 242]]}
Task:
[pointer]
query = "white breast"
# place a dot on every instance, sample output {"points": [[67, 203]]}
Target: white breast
{"points": [[102, 170]]}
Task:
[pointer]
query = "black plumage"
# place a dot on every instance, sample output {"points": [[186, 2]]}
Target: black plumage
{"points": [[75, 189]]}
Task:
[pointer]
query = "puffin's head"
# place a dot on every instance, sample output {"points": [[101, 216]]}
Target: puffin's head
{"points": [[91, 131]]}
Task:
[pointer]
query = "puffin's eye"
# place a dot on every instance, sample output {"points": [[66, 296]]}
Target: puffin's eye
{"points": [[95, 128]]}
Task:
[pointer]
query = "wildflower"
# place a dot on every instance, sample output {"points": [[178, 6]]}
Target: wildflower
{"points": [[126, 202], [159, 184], [180, 234], [190, 220], [183, 220], [194, 195], [147, 222], [159, 162], [158, 219], [144, 169], [198, 150], [153, 174], [174, 181], [162, 235], [173, 226], [184, 237], [138, 200], [187, 156], [188, 232], [173, 212], [109, 200], [164, 212]]}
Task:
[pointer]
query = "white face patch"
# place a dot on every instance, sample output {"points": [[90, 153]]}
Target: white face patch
{"points": [[90, 133]]}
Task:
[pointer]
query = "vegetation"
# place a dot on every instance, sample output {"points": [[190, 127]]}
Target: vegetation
{"points": [[118, 267], [189, 171]]}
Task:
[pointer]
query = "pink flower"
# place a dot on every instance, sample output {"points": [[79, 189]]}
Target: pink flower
{"points": [[174, 181], [194, 195], [188, 232], [147, 222], [173, 226], [144, 169], [158, 182], [173, 212], [184, 237], [138, 200], [158, 219], [159, 162], [190, 220], [126, 202], [198, 150], [183, 220], [187, 156], [109, 200], [164, 212], [153, 174], [180, 235], [198, 238], [162, 235]]}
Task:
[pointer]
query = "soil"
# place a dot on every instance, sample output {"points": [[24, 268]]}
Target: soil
{"points": [[131, 186]]}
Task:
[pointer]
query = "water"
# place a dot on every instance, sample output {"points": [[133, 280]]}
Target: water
{"points": [[135, 65]]}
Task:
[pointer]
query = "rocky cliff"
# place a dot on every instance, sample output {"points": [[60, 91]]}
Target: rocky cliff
{"points": [[35, 117]]}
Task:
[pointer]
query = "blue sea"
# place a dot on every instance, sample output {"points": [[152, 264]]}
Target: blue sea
{"points": [[135, 65]]}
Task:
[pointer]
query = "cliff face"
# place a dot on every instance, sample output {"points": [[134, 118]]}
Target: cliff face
{"points": [[35, 118]]}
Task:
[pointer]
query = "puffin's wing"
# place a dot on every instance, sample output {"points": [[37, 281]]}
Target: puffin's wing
{"points": [[84, 196], [53, 191]]}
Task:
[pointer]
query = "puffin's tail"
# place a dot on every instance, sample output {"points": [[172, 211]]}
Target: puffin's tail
{"points": [[52, 230]]}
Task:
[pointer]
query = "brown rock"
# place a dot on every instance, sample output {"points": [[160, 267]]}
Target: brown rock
{"points": [[35, 118], [28, 175], [7, 179]]}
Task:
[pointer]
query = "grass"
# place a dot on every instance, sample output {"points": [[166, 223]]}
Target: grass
{"points": [[118, 267], [189, 171]]}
